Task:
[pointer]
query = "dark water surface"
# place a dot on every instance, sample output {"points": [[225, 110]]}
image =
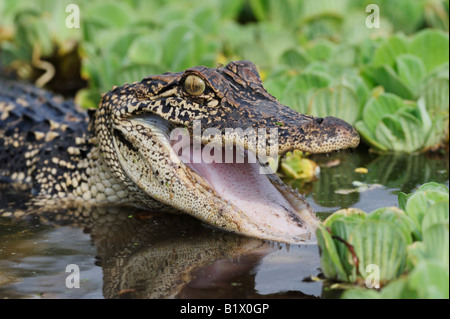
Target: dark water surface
{"points": [[123, 253]]}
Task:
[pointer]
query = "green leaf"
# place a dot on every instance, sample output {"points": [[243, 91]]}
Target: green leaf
{"points": [[230, 9], [436, 14], [432, 46], [295, 59], [437, 213], [297, 100], [436, 95], [285, 13], [401, 132], [299, 88], [275, 85], [206, 18], [405, 15], [88, 98], [308, 80], [321, 50], [340, 101], [419, 203], [436, 100], [388, 51], [434, 187], [391, 81], [398, 289], [116, 15], [430, 280], [134, 72], [414, 132], [342, 214], [184, 45], [33, 32], [424, 117], [411, 70], [417, 252], [145, 50], [356, 82], [378, 107], [343, 228], [380, 243], [341, 223], [389, 133], [436, 240], [344, 55], [402, 198], [122, 42], [260, 8], [369, 136], [329, 257], [397, 218]]}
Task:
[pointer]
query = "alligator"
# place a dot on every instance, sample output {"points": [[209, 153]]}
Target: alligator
{"points": [[124, 153]]}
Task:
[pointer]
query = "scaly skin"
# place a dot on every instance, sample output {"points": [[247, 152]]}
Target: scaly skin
{"points": [[122, 155]]}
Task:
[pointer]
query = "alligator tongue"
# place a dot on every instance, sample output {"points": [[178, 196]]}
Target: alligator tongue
{"points": [[243, 185]]}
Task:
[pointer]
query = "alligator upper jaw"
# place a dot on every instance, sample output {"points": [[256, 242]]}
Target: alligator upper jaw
{"points": [[231, 196]]}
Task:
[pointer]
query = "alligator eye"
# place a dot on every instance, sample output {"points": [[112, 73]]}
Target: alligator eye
{"points": [[194, 85]]}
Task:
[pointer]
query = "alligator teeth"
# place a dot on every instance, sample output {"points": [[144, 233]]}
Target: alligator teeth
{"points": [[201, 184]]}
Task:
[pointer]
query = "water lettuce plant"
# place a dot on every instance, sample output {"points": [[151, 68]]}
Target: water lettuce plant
{"points": [[413, 114], [392, 82], [316, 57], [409, 246]]}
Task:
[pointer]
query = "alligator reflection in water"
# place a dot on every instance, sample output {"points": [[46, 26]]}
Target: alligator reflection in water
{"points": [[153, 255]]}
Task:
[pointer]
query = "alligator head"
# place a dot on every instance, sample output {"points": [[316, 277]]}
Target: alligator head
{"points": [[135, 127]]}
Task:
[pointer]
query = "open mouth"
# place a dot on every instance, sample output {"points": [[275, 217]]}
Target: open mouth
{"points": [[241, 198]]}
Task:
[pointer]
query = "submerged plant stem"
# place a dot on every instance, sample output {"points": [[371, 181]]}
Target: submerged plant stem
{"points": [[352, 251]]}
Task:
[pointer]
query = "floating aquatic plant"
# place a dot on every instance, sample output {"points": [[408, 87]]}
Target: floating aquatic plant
{"points": [[413, 113], [409, 246]]}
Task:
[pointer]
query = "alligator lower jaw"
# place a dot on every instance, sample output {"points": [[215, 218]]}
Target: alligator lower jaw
{"points": [[239, 198], [265, 206]]}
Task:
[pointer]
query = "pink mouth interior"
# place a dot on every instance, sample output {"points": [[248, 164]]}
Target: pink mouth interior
{"points": [[245, 187]]}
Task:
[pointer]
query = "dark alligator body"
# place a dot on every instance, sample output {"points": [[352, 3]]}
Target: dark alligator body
{"points": [[36, 124]]}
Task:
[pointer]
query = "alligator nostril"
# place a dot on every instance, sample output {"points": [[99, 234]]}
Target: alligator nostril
{"points": [[319, 120]]}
